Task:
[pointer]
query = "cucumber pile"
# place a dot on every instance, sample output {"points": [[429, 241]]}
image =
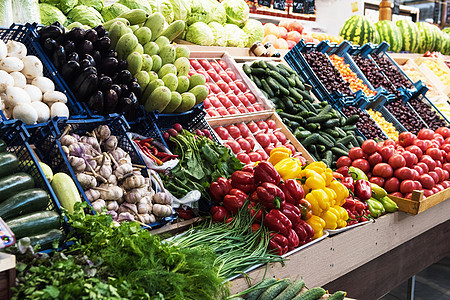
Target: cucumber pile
{"points": [[22, 206], [319, 128]]}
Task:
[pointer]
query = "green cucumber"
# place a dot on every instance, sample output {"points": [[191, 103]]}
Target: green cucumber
{"points": [[46, 239], [271, 66], [24, 202], [291, 82], [332, 132], [265, 86], [312, 126], [360, 140], [34, 223], [3, 146], [12, 184], [339, 295], [280, 105], [310, 140], [283, 72], [341, 146], [352, 120], [262, 64], [273, 84], [306, 96], [339, 152], [331, 123], [325, 110], [259, 72], [324, 141], [343, 120], [293, 92], [309, 106], [300, 135], [265, 93], [284, 91], [329, 137], [8, 163], [313, 151], [291, 117], [274, 290], [340, 132], [261, 287], [312, 294], [345, 140], [287, 69], [288, 103], [306, 114], [298, 82], [247, 69], [257, 81], [328, 158], [318, 119], [281, 80], [321, 148]]}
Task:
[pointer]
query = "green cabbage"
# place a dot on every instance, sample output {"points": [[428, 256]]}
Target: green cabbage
{"points": [[6, 14], [142, 4], [166, 9], [85, 15], [220, 35], [51, 2], [236, 37], [199, 33], [113, 11], [237, 11], [66, 5], [217, 12], [50, 14], [181, 9], [200, 12], [97, 4], [254, 30]]}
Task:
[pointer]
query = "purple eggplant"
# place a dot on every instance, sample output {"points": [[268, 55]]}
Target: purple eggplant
{"points": [[109, 65], [103, 44], [135, 88], [123, 64], [96, 102], [124, 77], [117, 89], [90, 59], [110, 101], [101, 31], [97, 57], [84, 63], [105, 83], [76, 34], [85, 47], [125, 90], [91, 35], [59, 57], [69, 70], [50, 45], [69, 46], [73, 57], [87, 88], [109, 53], [50, 31]]}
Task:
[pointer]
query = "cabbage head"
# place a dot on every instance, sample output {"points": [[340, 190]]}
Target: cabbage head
{"points": [[199, 33], [200, 12], [220, 35], [237, 11], [97, 4], [66, 5], [113, 11], [50, 14], [181, 9], [236, 37], [51, 2], [166, 9], [141, 4], [85, 15], [254, 30], [217, 12]]}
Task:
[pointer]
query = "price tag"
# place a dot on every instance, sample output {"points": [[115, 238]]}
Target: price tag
{"points": [[298, 7], [265, 2], [354, 6], [279, 4]]}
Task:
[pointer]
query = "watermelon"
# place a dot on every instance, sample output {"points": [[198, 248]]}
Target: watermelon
{"points": [[390, 33], [439, 38], [446, 30], [410, 35], [358, 29], [427, 37], [445, 47], [376, 37]]}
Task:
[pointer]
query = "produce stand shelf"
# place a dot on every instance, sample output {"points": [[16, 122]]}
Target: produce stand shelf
{"points": [[418, 204]]}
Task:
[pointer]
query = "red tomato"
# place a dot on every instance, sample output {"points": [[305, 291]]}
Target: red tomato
{"points": [[355, 153], [263, 139], [382, 170], [405, 139], [397, 161], [407, 186], [263, 154], [389, 143], [231, 74], [213, 88], [415, 150], [223, 64], [205, 64], [235, 147], [440, 173], [429, 162], [425, 134], [195, 64], [438, 138], [291, 147], [213, 74], [421, 144], [258, 107], [243, 130], [262, 125], [416, 174], [281, 137], [345, 161], [225, 76], [252, 142], [234, 88], [242, 109], [435, 190], [223, 86], [377, 180], [244, 158], [255, 156], [386, 152], [271, 124], [435, 153], [233, 131], [428, 144], [392, 185], [410, 158], [222, 132], [399, 149], [245, 145], [253, 127], [379, 146], [440, 187], [446, 184], [361, 164], [212, 113], [233, 110], [404, 173], [427, 193], [241, 85], [268, 149], [419, 170], [251, 109], [215, 101], [216, 66], [374, 159], [427, 181], [235, 99], [408, 196], [435, 176], [444, 131], [369, 147], [446, 167], [273, 138], [446, 174], [417, 185], [250, 97]]}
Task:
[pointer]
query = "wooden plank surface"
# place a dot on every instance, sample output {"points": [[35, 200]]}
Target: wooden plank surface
{"points": [[338, 255]]}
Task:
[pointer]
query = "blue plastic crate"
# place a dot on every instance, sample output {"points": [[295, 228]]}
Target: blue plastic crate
{"points": [[24, 34], [391, 98]]}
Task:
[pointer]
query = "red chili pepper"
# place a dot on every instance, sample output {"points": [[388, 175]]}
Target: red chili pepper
{"points": [[147, 145], [349, 183], [270, 196], [234, 200], [363, 189], [218, 189], [293, 191], [146, 140], [344, 171], [305, 208], [278, 243], [276, 221], [293, 240], [229, 220], [265, 172], [255, 227], [243, 181], [185, 213], [219, 213], [255, 211], [338, 176], [304, 232], [146, 151], [292, 212]]}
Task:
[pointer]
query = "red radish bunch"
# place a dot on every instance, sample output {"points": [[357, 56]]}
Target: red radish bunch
{"points": [[419, 162]]}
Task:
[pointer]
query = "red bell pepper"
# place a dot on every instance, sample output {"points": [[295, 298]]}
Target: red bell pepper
{"points": [[338, 176], [276, 221], [344, 171], [293, 191], [305, 208], [234, 200], [304, 232], [293, 240], [243, 181], [219, 213], [184, 213], [255, 210], [248, 169], [254, 197], [255, 227], [292, 212], [363, 189], [359, 206], [270, 196], [278, 243], [219, 188], [349, 183], [265, 172], [349, 203]]}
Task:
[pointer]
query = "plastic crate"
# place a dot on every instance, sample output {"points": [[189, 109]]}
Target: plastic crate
{"points": [[50, 151], [25, 35], [389, 116]]}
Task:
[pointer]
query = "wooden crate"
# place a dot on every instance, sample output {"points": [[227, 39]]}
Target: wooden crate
{"points": [[431, 75], [418, 203], [263, 116]]}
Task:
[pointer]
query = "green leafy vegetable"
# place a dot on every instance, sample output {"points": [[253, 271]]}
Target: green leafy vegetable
{"points": [[113, 11], [85, 15], [237, 11], [254, 30], [50, 14], [220, 35], [199, 33], [236, 37], [97, 4]]}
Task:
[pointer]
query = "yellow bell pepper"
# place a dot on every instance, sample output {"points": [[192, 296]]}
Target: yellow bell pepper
{"points": [[340, 190], [278, 154], [330, 217], [312, 180], [289, 168], [343, 216], [328, 176], [317, 223], [319, 201], [331, 195], [318, 166]]}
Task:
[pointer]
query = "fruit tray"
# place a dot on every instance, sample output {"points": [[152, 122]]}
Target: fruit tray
{"points": [[50, 151], [231, 91], [418, 203], [249, 125], [25, 35]]}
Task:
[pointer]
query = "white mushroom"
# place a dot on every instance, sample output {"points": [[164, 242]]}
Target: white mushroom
{"points": [[19, 79], [11, 64], [51, 97], [26, 113], [59, 109], [32, 66], [16, 49], [34, 92], [42, 110], [44, 84], [15, 96], [6, 80]]}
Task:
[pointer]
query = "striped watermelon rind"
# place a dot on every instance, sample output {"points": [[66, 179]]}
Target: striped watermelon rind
{"points": [[445, 47], [390, 33], [427, 37], [358, 29], [410, 35], [376, 37], [446, 30], [439, 38]]}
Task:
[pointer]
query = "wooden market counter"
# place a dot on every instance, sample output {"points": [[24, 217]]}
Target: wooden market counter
{"points": [[370, 260]]}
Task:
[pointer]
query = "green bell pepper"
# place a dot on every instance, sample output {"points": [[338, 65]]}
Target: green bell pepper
{"points": [[357, 174], [377, 191], [388, 204], [375, 207]]}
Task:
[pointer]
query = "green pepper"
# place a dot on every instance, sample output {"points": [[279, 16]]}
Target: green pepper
{"points": [[377, 191], [375, 207], [357, 174], [388, 204]]}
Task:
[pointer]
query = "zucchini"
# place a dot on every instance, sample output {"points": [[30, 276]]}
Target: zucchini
{"points": [[310, 140], [312, 294], [247, 69], [352, 120], [339, 295], [293, 289], [12, 184], [46, 239], [291, 81], [274, 290], [287, 69], [265, 86], [331, 123], [281, 80], [273, 85], [328, 158], [306, 96], [8, 163], [262, 286], [34, 223], [3, 146], [65, 190], [300, 135], [24, 202], [318, 119], [339, 152], [291, 117]]}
